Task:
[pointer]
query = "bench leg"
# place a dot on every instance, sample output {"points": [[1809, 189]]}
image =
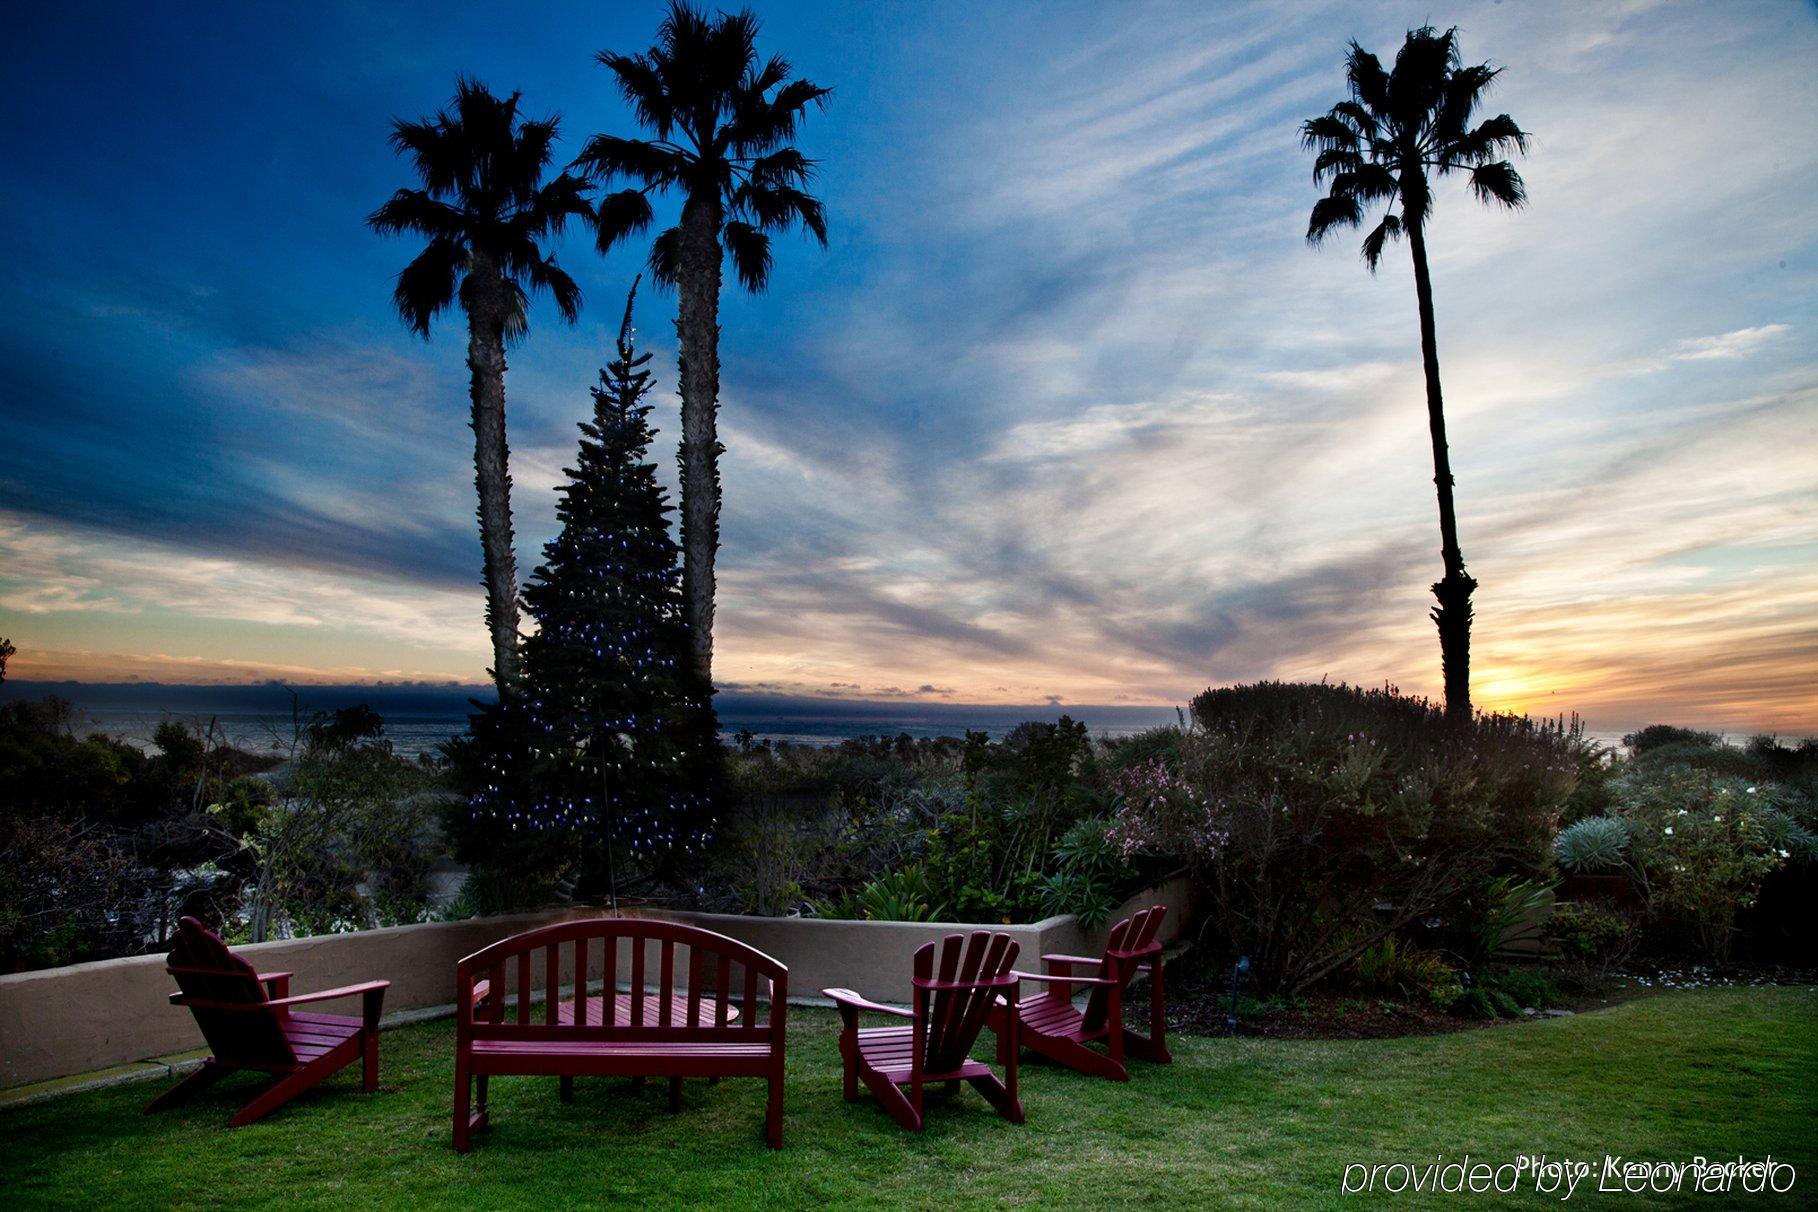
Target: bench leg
{"points": [[675, 1094], [465, 1121], [773, 1114], [568, 1089]]}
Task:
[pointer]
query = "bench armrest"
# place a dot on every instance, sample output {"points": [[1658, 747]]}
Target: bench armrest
{"points": [[848, 1000]]}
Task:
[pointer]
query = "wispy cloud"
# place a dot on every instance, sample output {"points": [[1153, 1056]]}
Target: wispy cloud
{"points": [[1069, 408]]}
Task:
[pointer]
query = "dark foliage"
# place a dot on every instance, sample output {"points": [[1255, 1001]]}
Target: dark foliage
{"points": [[1325, 819]]}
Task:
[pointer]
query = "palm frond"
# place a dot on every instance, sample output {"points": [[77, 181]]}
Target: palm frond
{"points": [[1329, 132], [1366, 183], [1369, 83], [785, 166], [779, 207], [426, 286], [641, 84], [750, 250], [1493, 138], [760, 125], [1331, 212], [666, 257], [546, 275], [1498, 182], [1460, 96], [413, 211], [1388, 229], [607, 158], [1333, 160], [618, 216]]}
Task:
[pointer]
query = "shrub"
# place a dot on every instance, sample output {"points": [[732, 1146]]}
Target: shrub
{"points": [[1592, 846], [1657, 736], [1393, 966], [1306, 810], [900, 896], [1485, 1005], [1594, 936], [1700, 847], [1490, 914], [1526, 989], [1090, 874]]}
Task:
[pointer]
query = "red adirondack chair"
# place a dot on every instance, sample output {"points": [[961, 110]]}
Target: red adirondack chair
{"points": [[1051, 1026], [247, 1018], [949, 1011]]}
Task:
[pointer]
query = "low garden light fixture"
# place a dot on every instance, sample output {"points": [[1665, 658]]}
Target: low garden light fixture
{"points": [[1238, 970]]}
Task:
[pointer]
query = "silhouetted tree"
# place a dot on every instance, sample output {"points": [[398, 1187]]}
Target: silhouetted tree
{"points": [[614, 741], [724, 122], [487, 212], [6, 654], [1376, 149]]}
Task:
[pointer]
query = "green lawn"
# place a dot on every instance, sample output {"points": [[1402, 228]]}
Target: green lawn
{"points": [[1232, 1123]]}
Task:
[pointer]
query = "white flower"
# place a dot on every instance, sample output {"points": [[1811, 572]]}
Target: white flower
{"points": [[1784, 854], [1718, 819], [1669, 831]]}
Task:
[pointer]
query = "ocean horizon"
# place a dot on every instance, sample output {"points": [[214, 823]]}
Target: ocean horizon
{"points": [[262, 717]]}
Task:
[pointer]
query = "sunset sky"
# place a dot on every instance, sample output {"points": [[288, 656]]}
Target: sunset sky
{"points": [[1068, 408]]}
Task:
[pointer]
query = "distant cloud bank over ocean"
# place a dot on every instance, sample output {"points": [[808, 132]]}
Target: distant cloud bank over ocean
{"points": [[420, 717]]}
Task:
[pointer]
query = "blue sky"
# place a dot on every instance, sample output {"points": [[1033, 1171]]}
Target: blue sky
{"points": [[1067, 408]]}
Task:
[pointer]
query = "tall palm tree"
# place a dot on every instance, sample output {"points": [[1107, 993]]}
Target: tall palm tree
{"points": [[487, 211], [1376, 149], [724, 122]]}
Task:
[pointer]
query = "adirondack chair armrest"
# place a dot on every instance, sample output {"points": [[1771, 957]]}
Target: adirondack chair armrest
{"points": [[1063, 978], [364, 989], [1067, 961], [847, 999]]}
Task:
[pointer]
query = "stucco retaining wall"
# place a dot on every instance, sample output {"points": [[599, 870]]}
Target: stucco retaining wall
{"points": [[62, 1021]]}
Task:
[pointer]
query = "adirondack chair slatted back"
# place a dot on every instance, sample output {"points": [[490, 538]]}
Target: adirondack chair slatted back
{"points": [[1130, 944], [954, 997], [683, 984], [205, 969]]}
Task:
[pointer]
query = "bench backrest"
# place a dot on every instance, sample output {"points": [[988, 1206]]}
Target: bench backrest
{"points": [[685, 984], [953, 997], [1130, 944], [207, 972]]}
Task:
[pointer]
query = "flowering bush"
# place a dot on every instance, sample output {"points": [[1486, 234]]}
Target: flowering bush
{"points": [[1164, 813], [1701, 844], [1323, 819]]}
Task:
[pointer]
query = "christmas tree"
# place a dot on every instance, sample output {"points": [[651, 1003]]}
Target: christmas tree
{"points": [[611, 739]]}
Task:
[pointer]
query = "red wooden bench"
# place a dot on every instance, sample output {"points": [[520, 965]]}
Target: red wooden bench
{"points": [[1051, 1026], [661, 1027], [248, 1019], [951, 1006]]}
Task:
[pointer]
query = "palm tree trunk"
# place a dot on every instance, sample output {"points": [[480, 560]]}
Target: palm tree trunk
{"points": [[492, 476], [1453, 613], [697, 327]]}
